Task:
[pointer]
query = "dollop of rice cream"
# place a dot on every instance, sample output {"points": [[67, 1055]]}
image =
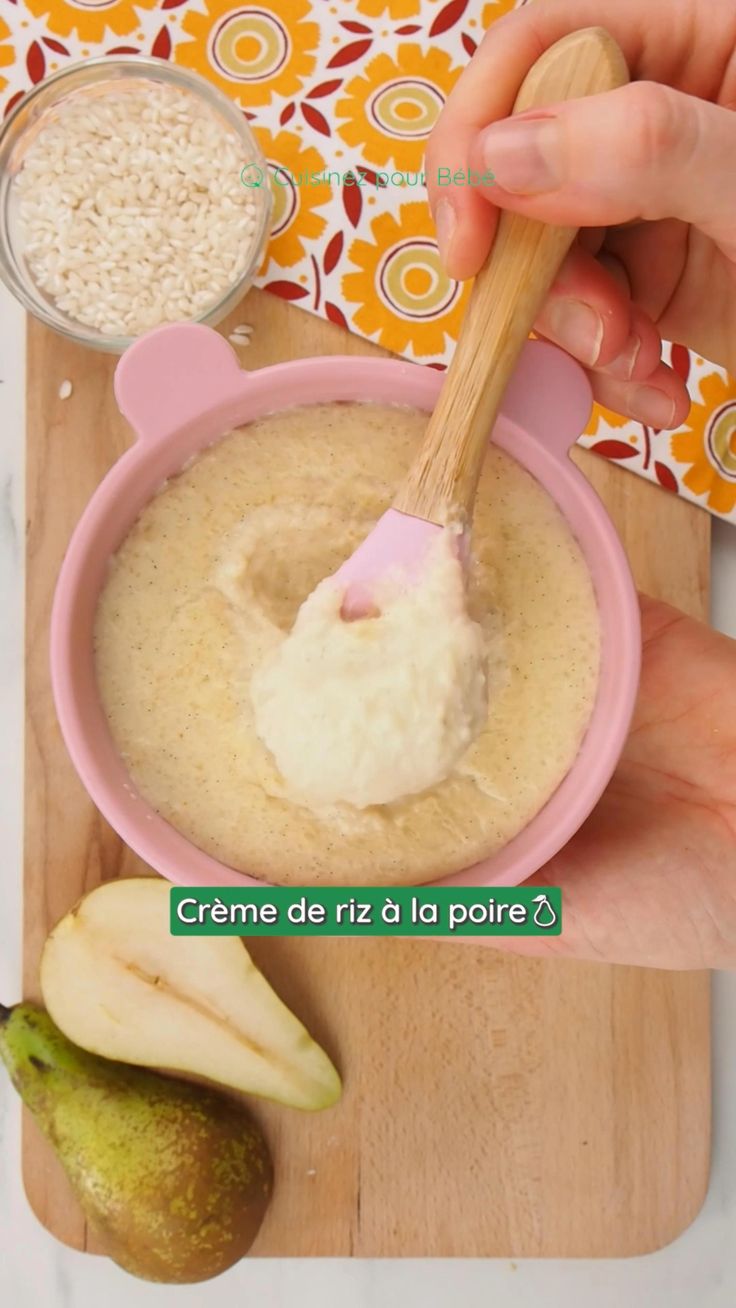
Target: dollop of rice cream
{"points": [[367, 712]]}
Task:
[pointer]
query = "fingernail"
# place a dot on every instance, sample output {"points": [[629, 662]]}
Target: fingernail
{"points": [[623, 365], [445, 222], [574, 326], [651, 406], [524, 155]]}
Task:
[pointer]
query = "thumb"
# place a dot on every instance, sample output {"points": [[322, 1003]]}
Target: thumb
{"points": [[644, 151]]}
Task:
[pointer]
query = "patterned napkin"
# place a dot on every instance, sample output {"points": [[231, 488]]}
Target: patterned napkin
{"points": [[344, 88]]}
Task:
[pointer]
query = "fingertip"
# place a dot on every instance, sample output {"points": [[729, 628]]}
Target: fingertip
{"points": [[641, 353], [661, 401], [649, 355], [465, 231], [683, 399], [586, 312], [669, 383]]}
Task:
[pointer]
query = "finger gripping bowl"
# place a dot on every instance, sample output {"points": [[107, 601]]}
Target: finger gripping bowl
{"points": [[181, 388]]}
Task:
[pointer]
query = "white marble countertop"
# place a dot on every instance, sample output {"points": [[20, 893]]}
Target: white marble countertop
{"points": [[700, 1267]]}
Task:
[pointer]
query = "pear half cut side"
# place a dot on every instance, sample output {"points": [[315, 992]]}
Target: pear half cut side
{"points": [[118, 984]]}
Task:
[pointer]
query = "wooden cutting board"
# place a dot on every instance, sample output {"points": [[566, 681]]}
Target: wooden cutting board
{"points": [[493, 1106]]}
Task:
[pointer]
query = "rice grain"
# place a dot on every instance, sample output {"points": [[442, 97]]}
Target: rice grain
{"points": [[132, 211]]}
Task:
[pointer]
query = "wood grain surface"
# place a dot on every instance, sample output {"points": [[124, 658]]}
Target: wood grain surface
{"points": [[493, 1106]]}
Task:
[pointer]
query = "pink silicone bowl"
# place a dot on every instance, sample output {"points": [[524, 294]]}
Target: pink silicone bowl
{"points": [[181, 389]]}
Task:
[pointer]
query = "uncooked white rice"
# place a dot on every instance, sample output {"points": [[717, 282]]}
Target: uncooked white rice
{"points": [[132, 209]]}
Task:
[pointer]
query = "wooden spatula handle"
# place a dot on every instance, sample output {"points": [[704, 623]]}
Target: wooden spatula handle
{"points": [[506, 297]]}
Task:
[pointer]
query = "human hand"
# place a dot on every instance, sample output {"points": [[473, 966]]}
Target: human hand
{"points": [[659, 153], [650, 878]]}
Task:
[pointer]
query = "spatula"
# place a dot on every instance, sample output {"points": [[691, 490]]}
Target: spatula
{"points": [[508, 292]]}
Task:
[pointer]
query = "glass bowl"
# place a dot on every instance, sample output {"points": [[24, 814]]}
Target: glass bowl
{"points": [[41, 106]]}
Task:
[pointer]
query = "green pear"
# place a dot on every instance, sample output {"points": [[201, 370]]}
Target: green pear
{"points": [[118, 984], [174, 1178]]}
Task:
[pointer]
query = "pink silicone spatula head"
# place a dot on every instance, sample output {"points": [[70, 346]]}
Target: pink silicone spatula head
{"points": [[508, 292]]}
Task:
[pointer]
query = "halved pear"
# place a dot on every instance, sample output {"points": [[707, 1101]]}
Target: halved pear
{"points": [[118, 984]]}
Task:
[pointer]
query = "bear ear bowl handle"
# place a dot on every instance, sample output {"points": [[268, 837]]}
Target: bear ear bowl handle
{"points": [[173, 375], [549, 397], [180, 372]]}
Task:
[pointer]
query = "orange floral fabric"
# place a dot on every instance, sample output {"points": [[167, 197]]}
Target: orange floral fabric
{"points": [[342, 95]]}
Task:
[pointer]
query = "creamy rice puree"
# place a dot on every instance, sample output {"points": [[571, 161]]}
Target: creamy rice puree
{"points": [[204, 591], [368, 712]]}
